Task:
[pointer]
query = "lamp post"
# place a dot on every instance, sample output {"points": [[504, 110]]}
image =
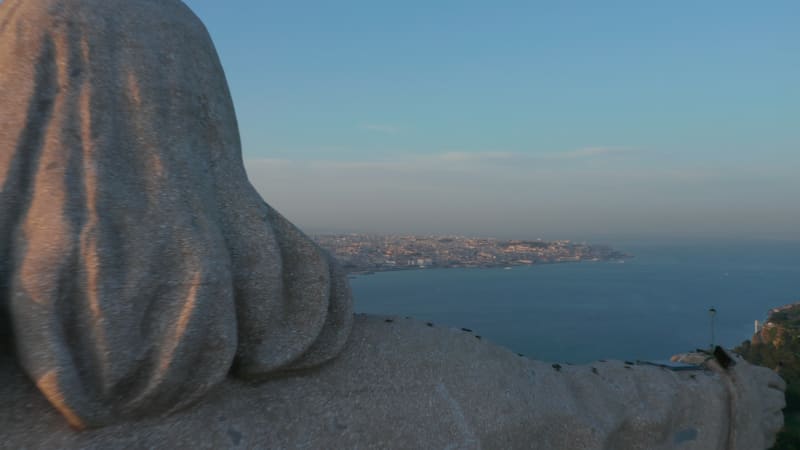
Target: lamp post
{"points": [[712, 312]]}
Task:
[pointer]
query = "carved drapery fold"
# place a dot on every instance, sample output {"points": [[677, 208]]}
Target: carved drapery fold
{"points": [[138, 266]]}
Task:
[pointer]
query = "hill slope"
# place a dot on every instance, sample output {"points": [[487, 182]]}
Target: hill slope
{"points": [[777, 345]]}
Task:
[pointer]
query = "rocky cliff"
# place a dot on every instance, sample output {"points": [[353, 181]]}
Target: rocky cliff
{"points": [[776, 344]]}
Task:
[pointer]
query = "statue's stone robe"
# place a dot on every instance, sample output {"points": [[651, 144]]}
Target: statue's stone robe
{"points": [[401, 384], [138, 265]]}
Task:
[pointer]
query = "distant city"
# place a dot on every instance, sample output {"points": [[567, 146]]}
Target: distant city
{"points": [[364, 253]]}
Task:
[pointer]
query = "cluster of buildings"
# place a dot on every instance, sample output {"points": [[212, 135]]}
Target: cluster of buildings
{"points": [[369, 253]]}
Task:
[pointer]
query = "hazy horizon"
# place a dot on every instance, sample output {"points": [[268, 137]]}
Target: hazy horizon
{"points": [[519, 118], [376, 199]]}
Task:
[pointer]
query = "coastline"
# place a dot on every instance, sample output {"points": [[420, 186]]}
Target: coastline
{"points": [[364, 254], [356, 273]]}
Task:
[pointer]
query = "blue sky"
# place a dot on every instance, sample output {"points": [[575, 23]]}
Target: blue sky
{"points": [[559, 119]]}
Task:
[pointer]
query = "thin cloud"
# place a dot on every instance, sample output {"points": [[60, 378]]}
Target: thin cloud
{"points": [[505, 157], [275, 163], [449, 160], [588, 152], [476, 156], [519, 157], [380, 128]]}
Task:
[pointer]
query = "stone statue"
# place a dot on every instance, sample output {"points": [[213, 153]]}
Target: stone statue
{"points": [[152, 299], [139, 266]]}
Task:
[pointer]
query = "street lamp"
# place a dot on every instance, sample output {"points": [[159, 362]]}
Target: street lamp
{"points": [[712, 312]]}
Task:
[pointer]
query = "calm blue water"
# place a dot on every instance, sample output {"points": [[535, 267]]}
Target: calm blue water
{"points": [[650, 307]]}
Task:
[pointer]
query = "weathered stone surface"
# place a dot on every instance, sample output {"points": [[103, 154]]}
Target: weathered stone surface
{"points": [[137, 263], [403, 384]]}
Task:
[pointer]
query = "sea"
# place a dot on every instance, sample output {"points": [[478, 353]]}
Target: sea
{"points": [[671, 297]]}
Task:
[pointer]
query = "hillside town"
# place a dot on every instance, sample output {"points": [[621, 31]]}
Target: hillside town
{"points": [[363, 253]]}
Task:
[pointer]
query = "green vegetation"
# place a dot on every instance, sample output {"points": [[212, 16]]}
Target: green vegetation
{"points": [[777, 346]]}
